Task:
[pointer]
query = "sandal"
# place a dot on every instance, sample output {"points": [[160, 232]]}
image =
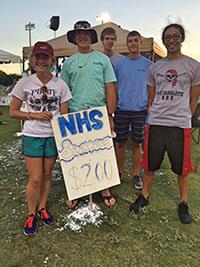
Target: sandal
{"points": [[107, 200], [72, 204]]}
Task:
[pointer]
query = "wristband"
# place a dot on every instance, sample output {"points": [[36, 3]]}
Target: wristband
{"points": [[111, 115]]}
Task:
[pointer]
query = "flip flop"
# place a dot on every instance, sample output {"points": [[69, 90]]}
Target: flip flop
{"points": [[108, 198], [74, 204]]}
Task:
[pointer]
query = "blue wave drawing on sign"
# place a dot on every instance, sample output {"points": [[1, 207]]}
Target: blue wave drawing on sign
{"points": [[70, 151]]}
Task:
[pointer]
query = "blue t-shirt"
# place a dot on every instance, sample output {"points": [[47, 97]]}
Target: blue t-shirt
{"points": [[132, 83]]}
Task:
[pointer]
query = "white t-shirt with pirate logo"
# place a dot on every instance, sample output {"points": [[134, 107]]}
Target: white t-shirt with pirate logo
{"points": [[29, 89], [173, 80]]}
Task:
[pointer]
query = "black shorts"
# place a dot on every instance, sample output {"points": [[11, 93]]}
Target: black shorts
{"points": [[173, 140], [130, 122]]}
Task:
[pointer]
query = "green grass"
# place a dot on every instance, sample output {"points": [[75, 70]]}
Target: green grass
{"points": [[156, 239], [8, 126]]}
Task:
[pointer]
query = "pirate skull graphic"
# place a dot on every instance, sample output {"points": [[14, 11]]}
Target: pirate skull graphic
{"points": [[171, 76]]}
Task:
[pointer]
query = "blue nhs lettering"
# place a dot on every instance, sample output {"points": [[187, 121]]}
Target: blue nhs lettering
{"points": [[74, 123]]}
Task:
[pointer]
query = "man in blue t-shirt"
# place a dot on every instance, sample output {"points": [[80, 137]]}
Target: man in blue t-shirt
{"points": [[131, 73]]}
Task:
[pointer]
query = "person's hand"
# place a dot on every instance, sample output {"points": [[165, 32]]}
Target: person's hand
{"points": [[46, 115], [148, 109]]}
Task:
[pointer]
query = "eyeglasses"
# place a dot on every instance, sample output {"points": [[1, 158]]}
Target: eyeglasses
{"points": [[82, 25], [175, 37]]}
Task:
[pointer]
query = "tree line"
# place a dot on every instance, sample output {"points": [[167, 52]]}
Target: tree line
{"points": [[8, 79]]}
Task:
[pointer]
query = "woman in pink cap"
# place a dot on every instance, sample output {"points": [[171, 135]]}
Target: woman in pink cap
{"points": [[45, 96]]}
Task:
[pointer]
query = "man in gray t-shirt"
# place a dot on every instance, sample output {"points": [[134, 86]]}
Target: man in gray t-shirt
{"points": [[174, 89], [172, 80]]}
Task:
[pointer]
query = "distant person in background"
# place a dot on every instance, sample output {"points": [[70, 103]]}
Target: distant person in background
{"points": [[109, 38], [54, 69], [91, 79], [174, 89], [45, 96], [130, 116], [31, 70]]}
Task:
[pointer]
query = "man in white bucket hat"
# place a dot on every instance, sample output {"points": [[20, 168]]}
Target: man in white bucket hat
{"points": [[91, 79]]}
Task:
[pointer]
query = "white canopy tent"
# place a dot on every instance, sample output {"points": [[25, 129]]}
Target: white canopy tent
{"points": [[6, 57]]}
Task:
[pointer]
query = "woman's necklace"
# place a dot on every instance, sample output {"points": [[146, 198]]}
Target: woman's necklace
{"points": [[80, 64]]}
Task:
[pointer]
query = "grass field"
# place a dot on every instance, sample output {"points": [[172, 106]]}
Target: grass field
{"points": [[156, 239]]}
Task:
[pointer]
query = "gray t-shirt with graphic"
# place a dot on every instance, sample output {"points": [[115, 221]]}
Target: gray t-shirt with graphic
{"points": [[172, 80]]}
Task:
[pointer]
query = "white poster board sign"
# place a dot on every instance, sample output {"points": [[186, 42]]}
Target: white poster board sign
{"points": [[86, 151]]}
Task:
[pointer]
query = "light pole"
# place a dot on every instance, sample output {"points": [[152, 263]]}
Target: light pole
{"points": [[29, 27]]}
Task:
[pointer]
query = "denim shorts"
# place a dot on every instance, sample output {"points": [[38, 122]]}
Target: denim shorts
{"points": [[39, 147]]}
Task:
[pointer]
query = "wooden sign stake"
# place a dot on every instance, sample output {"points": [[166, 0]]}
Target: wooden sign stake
{"points": [[90, 202]]}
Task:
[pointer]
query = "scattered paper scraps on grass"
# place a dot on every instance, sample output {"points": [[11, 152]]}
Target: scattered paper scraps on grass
{"points": [[82, 216], [18, 134]]}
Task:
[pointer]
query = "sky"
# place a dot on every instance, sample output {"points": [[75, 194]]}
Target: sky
{"points": [[149, 17]]}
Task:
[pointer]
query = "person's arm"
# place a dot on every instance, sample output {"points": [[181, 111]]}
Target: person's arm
{"points": [[194, 97], [16, 113], [151, 95], [65, 97], [64, 75], [64, 108], [111, 97], [111, 102]]}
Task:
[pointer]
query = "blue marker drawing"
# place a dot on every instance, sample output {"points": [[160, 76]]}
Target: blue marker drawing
{"points": [[98, 166], [80, 122], [70, 151], [65, 124], [98, 124]]}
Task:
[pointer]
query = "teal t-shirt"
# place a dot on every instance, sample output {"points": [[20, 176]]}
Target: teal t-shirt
{"points": [[86, 76]]}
